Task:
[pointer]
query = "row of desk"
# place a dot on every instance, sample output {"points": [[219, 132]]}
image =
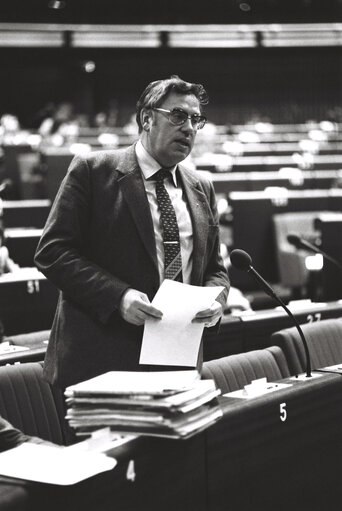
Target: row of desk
{"points": [[39, 174], [27, 301], [29, 304], [250, 330], [281, 450]]}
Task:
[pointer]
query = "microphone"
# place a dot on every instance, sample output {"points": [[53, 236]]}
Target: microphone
{"points": [[298, 242], [243, 261]]}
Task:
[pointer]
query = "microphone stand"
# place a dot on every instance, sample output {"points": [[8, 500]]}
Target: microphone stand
{"points": [[271, 293], [309, 246], [300, 331]]}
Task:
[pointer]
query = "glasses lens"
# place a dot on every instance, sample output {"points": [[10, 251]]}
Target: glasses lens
{"points": [[198, 121], [178, 117]]}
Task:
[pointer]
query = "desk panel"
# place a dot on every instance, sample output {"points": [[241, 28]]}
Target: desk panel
{"points": [[281, 451], [13, 495], [151, 475], [22, 245], [27, 301], [26, 213], [250, 460], [248, 331]]}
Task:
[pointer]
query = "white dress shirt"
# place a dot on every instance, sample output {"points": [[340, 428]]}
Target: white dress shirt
{"points": [[150, 166]]}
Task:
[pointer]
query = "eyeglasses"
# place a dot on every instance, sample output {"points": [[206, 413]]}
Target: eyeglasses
{"points": [[178, 117]]}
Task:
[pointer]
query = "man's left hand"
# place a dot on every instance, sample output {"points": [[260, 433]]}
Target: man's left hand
{"points": [[209, 316]]}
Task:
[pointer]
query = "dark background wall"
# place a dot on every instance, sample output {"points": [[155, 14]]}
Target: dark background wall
{"points": [[170, 11], [284, 85]]}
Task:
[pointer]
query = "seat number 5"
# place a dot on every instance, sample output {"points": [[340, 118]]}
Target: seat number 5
{"points": [[283, 412]]}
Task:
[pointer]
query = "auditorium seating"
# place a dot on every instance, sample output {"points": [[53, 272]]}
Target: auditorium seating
{"points": [[235, 371], [27, 301], [36, 408], [30, 404], [55, 163], [26, 213], [244, 459], [291, 261], [30, 339], [27, 347], [290, 178], [251, 330], [22, 244], [253, 229], [324, 339]]}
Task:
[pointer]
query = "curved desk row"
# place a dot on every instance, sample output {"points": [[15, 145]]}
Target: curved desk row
{"points": [[281, 450]]}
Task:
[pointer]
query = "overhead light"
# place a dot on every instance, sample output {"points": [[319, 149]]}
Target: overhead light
{"points": [[89, 66], [56, 4], [244, 6]]}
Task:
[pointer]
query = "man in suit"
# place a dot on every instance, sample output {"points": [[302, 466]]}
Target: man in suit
{"points": [[103, 245]]}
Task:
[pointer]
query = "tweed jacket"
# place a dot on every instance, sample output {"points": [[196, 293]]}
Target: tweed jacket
{"points": [[99, 241]]}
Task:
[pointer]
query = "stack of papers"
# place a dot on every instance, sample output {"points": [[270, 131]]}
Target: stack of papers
{"points": [[173, 404]]}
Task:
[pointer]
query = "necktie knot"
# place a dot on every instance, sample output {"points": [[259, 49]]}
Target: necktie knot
{"points": [[162, 174]]}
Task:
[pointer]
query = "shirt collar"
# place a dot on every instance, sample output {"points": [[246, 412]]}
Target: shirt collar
{"points": [[149, 166]]}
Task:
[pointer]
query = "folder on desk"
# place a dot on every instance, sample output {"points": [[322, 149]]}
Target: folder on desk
{"points": [[175, 404]]}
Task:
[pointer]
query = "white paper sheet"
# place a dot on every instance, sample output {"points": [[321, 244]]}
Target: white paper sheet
{"points": [[134, 382], [174, 340], [53, 465]]}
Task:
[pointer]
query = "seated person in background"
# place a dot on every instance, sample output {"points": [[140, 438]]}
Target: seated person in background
{"points": [[7, 265], [11, 437], [236, 300], [93, 494]]}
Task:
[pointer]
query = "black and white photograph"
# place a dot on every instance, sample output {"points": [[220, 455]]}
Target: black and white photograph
{"points": [[170, 255]]}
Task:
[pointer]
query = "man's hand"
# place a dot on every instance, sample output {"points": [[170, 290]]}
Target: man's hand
{"points": [[135, 307], [209, 316]]}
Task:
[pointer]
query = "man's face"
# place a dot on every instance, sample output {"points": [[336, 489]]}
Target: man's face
{"points": [[170, 144]]}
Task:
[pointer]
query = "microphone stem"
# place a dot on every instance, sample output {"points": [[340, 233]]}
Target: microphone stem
{"points": [[300, 331], [332, 260], [309, 246]]}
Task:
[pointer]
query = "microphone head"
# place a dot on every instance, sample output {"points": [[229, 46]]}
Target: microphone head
{"points": [[294, 240], [240, 259]]}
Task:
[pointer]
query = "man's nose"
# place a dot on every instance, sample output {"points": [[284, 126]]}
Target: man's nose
{"points": [[187, 127]]}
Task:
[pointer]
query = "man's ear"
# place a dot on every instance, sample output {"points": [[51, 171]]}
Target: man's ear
{"points": [[146, 119]]}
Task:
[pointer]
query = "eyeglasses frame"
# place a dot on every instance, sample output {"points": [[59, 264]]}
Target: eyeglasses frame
{"points": [[202, 117]]}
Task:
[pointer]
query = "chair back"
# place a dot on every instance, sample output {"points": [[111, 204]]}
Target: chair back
{"points": [[30, 404], [235, 371], [324, 340]]}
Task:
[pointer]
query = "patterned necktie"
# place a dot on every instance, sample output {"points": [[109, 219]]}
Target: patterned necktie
{"points": [[172, 251]]}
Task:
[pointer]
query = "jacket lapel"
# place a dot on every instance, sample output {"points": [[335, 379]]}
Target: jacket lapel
{"points": [[197, 203], [133, 190]]}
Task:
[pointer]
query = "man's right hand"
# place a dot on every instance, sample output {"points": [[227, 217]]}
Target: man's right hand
{"points": [[135, 307]]}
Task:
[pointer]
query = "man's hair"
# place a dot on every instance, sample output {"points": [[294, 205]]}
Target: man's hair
{"points": [[156, 92]]}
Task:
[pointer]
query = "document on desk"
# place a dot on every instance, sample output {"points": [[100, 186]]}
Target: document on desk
{"points": [[53, 465], [175, 340]]}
